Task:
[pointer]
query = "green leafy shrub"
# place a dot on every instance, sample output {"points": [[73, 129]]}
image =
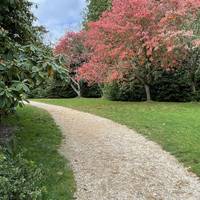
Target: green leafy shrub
{"points": [[25, 62], [53, 88], [172, 86], [93, 91], [59, 90], [19, 179], [111, 91], [39, 92], [124, 91]]}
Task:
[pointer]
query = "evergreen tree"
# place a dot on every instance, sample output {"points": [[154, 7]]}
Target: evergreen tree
{"points": [[95, 8]]}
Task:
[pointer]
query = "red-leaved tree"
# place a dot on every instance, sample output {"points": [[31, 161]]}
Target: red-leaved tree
{"points": [[71, 47], [136, 37]]}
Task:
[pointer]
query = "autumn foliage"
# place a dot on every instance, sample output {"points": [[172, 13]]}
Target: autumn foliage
{"points": [[137, 37], [71, 47]]}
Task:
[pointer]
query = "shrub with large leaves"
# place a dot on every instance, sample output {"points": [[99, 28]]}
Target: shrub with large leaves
{"points": [[22, 68], [25, 62]]}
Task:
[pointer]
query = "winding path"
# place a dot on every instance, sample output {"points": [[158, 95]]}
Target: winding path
{"points": [[112, 162]]}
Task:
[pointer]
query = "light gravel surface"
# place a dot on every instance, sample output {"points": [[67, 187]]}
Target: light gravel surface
{"points": [[112, 162]]}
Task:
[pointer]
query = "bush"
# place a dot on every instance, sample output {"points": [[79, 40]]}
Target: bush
{"points": [[19, 179], [59, 91], [93, 91], [111, 91], [172, 86], [38, 92], [53, 88], [124, 91], [56, 88]]}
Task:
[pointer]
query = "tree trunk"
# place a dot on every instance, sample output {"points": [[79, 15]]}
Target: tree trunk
{"points": [[78, 92], [148, 93], [76, 86], [193, 85]]}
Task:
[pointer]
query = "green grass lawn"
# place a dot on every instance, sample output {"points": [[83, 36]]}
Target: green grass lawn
{"points": [[41, 138], [175, 126]]}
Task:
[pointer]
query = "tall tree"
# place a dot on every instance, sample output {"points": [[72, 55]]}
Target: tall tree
{"points": [[16, 19], [95, 8], [137, 37], [71, 47], [192, 61]]}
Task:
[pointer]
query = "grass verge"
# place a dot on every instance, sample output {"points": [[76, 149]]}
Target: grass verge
{"points": [[39, 136], [175, 126]]}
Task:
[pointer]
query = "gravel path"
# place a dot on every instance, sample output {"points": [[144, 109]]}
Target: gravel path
{"points": [[112, 162]]}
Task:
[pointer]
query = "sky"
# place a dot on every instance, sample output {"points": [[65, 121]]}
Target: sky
{"points": [[59, 16]]}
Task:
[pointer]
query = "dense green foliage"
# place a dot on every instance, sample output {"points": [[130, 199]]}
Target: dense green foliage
{"points": [[173, 86], [95, 8], [56, 88], [59, 90], [16, 19], [39, 138], [24, 61], [90, 91], [175, 126], [20, 179], [124, 91]]}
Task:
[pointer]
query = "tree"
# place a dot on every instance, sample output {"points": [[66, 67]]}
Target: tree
{"points": [[192, 67], [95, 8], [24, 61], [192, 61], [138, 37], [71, 47]]}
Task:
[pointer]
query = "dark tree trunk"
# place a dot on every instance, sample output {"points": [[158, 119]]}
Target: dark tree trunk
{"points": [[148, 93]]}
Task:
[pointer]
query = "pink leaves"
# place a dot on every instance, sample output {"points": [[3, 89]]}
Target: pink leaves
{"points": [[114, 76], [72, 48], [146, 30], [136, 28], [196, 43]]}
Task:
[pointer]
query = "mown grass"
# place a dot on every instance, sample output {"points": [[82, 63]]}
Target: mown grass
{"points": [[39, 136], [175, 126]]}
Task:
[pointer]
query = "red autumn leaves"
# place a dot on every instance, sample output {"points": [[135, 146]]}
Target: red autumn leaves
{"points": [[132, 36]]}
